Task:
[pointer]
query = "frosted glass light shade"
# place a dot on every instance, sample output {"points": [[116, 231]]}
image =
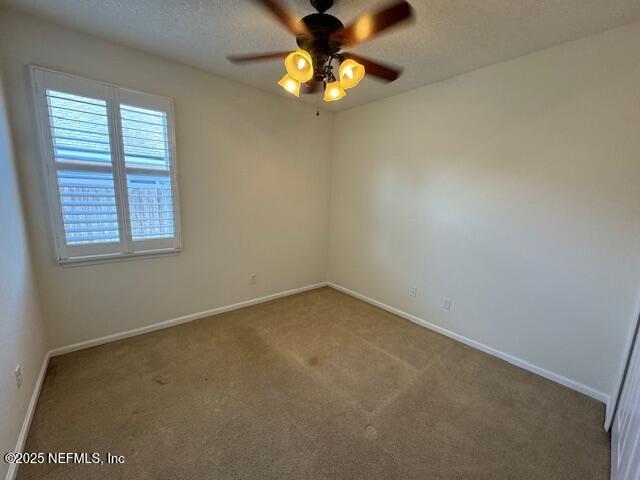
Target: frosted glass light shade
{"points": [[350, 73], [334, 91], [299, 66], [291, 85]]}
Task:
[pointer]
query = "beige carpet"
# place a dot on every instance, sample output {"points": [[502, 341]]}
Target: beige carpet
{"points": [[314, 386]]}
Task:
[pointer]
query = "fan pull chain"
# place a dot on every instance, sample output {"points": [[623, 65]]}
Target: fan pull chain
{"points": [[317, 105]]}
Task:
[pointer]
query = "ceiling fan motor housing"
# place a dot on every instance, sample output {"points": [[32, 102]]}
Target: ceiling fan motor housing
{"points": [[319, 42], [322, 5]]}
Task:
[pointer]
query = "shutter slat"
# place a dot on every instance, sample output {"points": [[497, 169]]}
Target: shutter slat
{"points": [[141, 120], [78, 139], [103, 229], [149, 151], [75, 98], [103, 135], [137, 116], [87, 204], [147, 136], [63, 120], [157, 130], [58, 109], [158, 158], [78, 159], [72, 212], [93, 222], [77, 150], [75, 239]]}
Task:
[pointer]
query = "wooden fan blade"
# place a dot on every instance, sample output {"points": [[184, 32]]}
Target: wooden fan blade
{"points": [[366, 27], [386, 73], [287, 19], [256, 57]]}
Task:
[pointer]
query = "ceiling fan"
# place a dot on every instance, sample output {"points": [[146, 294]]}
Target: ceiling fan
{"points": [[321, 38]]}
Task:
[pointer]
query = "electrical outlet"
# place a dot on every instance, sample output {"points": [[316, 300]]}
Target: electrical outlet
{"points": [[446, 303], [18, 374], [254, 279], [413, 292]]}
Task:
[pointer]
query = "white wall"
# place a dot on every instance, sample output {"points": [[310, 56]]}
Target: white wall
{"points": [[22, 332], [515, 191], [254, 173]]}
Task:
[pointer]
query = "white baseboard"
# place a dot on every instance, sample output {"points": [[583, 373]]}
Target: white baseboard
{"points": [[31, 408], [567, 382], [177, 321]]}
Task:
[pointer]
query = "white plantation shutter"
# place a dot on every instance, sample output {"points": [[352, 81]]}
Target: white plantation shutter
{"points": [[150, 207], [145, 126], [110, 163], [89, 211]]}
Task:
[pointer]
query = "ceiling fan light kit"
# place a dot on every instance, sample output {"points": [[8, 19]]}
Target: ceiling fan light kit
{"points": [[300, 68], [321, 38]]}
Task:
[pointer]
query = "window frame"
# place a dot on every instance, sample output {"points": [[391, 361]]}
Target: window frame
{"points": [[44, 79]]}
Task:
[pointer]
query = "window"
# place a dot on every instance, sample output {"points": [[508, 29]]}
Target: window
{"points": [[110, 165]]}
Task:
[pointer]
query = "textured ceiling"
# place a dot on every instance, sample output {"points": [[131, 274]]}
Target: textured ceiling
{"points": [[449, 38]]}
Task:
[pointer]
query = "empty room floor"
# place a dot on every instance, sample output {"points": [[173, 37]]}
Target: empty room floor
{"points": [[314, 386]]}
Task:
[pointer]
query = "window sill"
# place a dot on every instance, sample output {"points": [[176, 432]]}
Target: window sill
{"points": [[117, 257]]}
